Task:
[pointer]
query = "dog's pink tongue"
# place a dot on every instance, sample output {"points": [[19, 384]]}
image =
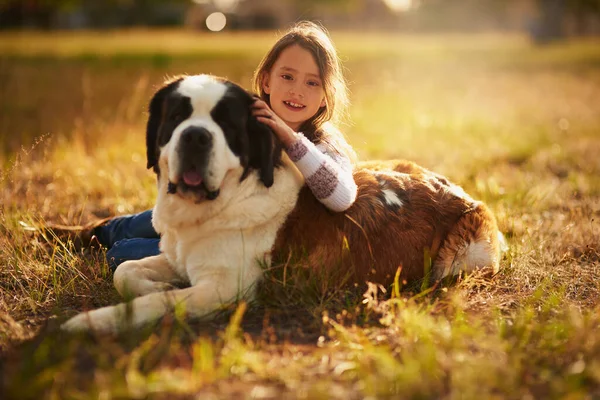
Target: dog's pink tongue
{"points": [[192, 178]]}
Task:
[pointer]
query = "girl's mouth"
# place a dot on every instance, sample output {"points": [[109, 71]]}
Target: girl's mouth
{"points": [[293, 106]]}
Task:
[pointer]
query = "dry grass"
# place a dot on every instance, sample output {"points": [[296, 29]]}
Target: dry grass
{"points": [[517, 126]]}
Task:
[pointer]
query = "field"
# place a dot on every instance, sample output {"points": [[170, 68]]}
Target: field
{"points": [[517, 126]]}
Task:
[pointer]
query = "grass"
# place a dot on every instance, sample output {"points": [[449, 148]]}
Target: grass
{"points": [[516, 125]]}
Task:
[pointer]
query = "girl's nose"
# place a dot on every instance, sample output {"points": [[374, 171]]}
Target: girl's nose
{"points": [[296, 89]]}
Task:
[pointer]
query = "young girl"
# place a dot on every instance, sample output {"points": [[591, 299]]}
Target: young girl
{"points": [[302, 94]]}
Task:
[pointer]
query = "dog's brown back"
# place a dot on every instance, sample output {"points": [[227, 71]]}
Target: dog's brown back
{"points": [[404, 217]]}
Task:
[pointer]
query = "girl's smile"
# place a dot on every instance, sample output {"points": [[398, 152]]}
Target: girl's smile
{"points": [[294, 106]]}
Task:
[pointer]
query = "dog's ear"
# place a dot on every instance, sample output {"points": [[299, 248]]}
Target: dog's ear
{"points": [[156, 111], [264, 150]]}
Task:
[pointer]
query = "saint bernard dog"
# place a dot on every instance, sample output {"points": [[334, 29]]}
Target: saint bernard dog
{"points": [[230, 201]]}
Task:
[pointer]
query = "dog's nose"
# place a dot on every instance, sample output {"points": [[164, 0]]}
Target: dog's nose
{"points": [[196, 136]]}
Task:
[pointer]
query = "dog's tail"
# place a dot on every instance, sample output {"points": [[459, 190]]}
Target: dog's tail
{"points": [[474, 242]]}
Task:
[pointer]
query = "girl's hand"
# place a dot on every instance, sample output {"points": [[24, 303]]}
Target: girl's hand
{"points": [[265, 115]]}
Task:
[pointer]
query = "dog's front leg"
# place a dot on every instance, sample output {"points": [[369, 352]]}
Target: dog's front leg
{"points": [[141, 277], [207, 295]]}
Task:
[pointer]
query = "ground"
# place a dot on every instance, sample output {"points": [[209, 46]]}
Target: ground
{"points": [[516, 125]]}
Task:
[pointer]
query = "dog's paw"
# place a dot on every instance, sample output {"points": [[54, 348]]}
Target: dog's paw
{"points": [[79, 323], [101, 320]]}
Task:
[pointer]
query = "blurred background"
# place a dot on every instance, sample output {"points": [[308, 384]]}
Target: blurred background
{"points": [[543, 20], [455, 85]]}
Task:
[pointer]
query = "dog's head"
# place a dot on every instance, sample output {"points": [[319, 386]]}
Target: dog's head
{"points": [[201, 127]]}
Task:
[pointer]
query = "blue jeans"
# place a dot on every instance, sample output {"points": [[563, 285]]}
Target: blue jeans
{"points": [[130, 237]]}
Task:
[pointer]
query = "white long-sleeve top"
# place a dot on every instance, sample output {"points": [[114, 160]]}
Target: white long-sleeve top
{"points": [[328, 174]]}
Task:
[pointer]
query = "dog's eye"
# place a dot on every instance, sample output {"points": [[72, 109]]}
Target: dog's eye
{"points": [[176, 116]]}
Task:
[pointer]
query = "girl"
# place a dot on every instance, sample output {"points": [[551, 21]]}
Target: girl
{"points": [[302, 94]]}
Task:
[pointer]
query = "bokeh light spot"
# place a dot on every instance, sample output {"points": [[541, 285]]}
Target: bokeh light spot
{"points": [[216, 21]]}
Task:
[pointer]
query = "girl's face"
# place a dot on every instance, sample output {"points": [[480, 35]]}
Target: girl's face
{"points": [[295, 87]]}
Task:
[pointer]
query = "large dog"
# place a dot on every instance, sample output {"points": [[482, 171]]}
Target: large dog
{"points": [[230, 201]]}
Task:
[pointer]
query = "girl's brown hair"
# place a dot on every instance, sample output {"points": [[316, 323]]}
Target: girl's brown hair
{"points": [[314, 39]]}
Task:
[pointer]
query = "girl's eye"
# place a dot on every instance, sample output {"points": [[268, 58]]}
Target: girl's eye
{"points": [[286, 77], [313, 83]]}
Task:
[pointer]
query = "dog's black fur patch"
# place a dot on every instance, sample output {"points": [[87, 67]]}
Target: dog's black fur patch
{"points": [[254, 143], [167, 110]]}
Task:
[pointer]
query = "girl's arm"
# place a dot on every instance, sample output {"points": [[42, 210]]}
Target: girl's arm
{"points": [[327, 173]]}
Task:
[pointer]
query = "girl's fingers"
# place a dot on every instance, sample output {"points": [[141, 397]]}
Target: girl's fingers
{"points": [[266, 121], [260, 107], [262, 112], [259, 104]]}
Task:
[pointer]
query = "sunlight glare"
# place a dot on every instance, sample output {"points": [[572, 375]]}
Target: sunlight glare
{"points": [[399, 5], [226, 5]]}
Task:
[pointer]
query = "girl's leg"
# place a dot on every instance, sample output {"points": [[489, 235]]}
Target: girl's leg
{"points": [[126, 227], [131, 249]]}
